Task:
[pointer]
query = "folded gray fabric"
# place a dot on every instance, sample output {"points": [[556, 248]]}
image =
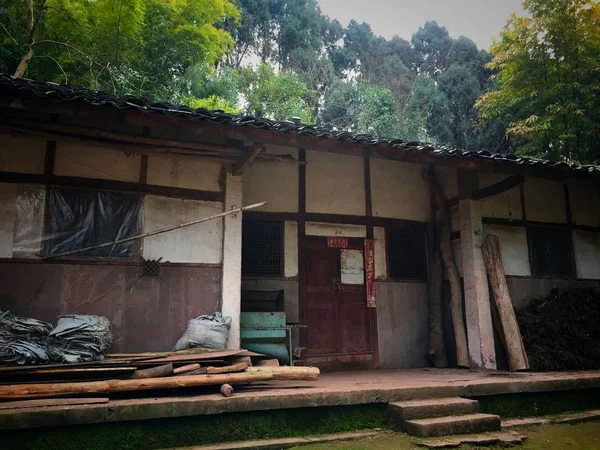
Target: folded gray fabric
{"points": [[80, 338], [23, 339]]}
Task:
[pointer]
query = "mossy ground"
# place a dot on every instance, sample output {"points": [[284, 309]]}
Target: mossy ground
{"points": [[585, 436]]}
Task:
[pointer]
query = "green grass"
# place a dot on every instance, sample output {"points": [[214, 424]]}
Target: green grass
{"points": [[584, 436]]}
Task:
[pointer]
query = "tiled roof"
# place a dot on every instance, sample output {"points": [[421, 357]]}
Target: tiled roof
{"points": [[9, 83]]}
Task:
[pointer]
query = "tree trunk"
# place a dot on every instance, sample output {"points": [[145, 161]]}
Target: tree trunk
{"points": [[509, 327], [437, 349], [24, 63], [456, 296]]}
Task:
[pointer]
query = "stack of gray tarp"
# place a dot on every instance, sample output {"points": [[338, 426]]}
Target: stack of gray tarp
{"points": [[22, 339], [78, 338]]}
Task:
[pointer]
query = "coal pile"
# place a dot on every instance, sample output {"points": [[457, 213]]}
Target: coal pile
{"points": [[562, 331]]}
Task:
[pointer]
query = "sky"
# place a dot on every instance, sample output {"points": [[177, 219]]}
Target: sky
{"points": [[479, 20]]}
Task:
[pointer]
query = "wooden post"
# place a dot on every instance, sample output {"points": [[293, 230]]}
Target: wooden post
{"points": [[456, 301], [509, 327], [437, 349], [480, 333]]}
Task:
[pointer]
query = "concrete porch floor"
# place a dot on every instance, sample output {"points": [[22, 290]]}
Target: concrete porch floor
{"points": [[333, 389]]}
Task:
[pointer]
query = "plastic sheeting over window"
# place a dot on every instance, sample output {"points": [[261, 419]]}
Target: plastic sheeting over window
{"points": [[80, 218]]}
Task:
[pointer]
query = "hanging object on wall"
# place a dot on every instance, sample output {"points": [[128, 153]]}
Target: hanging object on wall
{"points": [[151, 267], [353, 266], [370, 273], [337, 242]]}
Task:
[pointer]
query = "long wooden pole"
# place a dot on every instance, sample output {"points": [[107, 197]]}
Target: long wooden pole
{"points": [[101, 387], [456, 297], [162, 230], [509, 327], [288, 373]]}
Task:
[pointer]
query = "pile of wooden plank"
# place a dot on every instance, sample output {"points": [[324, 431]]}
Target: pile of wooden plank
{"points": [[142, 372]]}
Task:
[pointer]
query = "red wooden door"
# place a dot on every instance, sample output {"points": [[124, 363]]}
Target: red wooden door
{"points": [[337, 316]]}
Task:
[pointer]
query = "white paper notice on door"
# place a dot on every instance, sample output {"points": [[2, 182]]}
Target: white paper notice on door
{"points": [[353, 266]]}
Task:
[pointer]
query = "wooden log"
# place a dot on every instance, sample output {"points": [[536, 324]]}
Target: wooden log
{"points": [[227, 390], [509, 327], [185, 369], [200, 371], [437, 349], [52, 402], [240, 367], [154, 372], [267, 363], [17, 391], [288, 372], [456, 296], [240, 359]]}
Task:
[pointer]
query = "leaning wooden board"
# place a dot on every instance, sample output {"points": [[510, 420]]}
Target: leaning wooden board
{"points": [[19, 404]]}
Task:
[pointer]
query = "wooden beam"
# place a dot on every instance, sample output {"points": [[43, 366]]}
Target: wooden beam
{"points": [[50, 157], [246, 159], [133, 143], [498, 188], [111, 185], [29, 104]]}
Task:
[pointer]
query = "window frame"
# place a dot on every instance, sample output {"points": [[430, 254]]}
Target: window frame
{"points": [[137, 246], [535, 271], [281, 274], [421, 231]]}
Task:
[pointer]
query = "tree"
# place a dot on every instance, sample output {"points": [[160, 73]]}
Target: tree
{"points": [[278, 96], [431, 44], [547, 80]]}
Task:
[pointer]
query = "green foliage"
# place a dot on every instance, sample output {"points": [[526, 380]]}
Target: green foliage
{"points": [[279, 96], [548, 86], [431, 43]]}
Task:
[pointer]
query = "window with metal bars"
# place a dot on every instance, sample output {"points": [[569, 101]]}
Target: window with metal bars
{"points": [[262, 245], [407, 254]]}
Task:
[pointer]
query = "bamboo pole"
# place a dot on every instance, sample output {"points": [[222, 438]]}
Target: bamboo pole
{"points": [[162, 230], [509, 327], [15, 391]]}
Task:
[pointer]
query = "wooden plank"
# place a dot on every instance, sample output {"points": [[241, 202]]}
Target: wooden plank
{"points": [[228, 369], [509, 327], [113, 185], [186, 368], [246, 159], [267, 363], [52, 402], [74, 370], [199, 356]]}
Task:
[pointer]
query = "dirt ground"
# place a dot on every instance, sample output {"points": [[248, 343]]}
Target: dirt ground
{"points": [[584, 436]]}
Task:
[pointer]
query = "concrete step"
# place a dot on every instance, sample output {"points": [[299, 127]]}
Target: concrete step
{"points": [[435, 407], [500, 438], [445, 426]]}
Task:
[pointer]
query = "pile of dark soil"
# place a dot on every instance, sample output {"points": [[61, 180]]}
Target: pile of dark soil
{"points": [[562, 331]]}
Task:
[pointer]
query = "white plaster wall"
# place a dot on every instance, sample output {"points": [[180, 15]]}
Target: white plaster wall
{"points": [[275, 183], [8, 196], [335, 183], [232, 258], [399, 191], [76, 160], [506, 205], [447, 178], [380, 253], [29, 221], [201, 243], [585, 204], [22, 155], [545, 200], [182, 171], [587, 253], [335, 229], [513, 247], [290, 238]]}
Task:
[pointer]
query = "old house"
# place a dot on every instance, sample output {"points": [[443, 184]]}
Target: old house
{"points": [[79, 168]]}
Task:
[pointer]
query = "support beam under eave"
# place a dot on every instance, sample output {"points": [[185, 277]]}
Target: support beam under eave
{"points": [[232, 259], [480, 334]]}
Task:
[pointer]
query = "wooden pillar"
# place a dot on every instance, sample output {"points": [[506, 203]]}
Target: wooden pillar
{"points": [[480, 334]]}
